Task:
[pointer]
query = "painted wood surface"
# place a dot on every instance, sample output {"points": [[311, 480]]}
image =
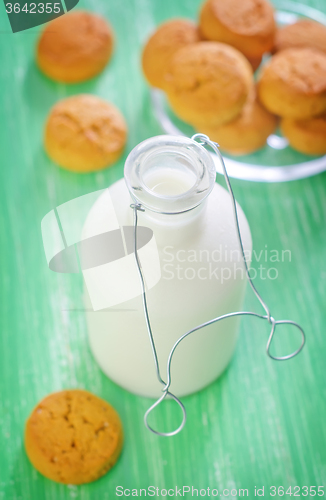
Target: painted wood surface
{"points": [[263, 422]]}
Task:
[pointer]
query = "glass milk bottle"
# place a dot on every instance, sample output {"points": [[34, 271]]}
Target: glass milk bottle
{"points": [[200, 271]]}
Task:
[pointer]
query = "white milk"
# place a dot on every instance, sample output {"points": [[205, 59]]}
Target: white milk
{"points": [[169, 182], [202, 276]]}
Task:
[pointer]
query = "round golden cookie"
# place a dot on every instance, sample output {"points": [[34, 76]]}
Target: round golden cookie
{"points": [[73, 437], [293, 83], [247, 25], [84, 133], [247, 132], [75, 47], [303, 33], [163, 44], [306, 136], [208, 83]]}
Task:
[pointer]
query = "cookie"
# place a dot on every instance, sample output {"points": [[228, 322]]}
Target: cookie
{"points": [[247, 25], [208, 83], [163, 44], [73, 437], [303, 33], [293, 83], [247, 132], [75, 47], [306, 136], [84, 133]]}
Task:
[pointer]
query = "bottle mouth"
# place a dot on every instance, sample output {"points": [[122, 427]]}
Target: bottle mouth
{"points": [[169, 174]]}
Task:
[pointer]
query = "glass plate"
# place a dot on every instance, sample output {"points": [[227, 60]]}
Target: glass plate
{"points": [[277, 161]]}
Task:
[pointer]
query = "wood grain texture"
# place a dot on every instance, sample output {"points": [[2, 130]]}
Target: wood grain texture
{"points": [[262, 423]]}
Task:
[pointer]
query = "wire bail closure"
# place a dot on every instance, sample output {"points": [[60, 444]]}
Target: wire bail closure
{"points": [[136, 207]]}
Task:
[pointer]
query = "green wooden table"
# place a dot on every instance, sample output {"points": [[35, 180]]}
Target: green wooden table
{"points": [[263, 422]]}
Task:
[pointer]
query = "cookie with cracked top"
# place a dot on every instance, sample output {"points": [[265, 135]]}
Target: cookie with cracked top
{"points": [[75, 47], [73, 437], [293, 83], [84, 133], [208, 83], [247, 25]]}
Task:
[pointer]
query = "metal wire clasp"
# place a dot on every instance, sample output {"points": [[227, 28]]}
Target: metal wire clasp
{"points": [[138, 207], [204, 140]]}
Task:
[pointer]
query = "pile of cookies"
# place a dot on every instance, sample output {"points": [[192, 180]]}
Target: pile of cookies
{"points": [[207, 74], [83, 133]]}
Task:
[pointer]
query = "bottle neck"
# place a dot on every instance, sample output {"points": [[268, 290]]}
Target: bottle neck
{"points": [[171, 178]]}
